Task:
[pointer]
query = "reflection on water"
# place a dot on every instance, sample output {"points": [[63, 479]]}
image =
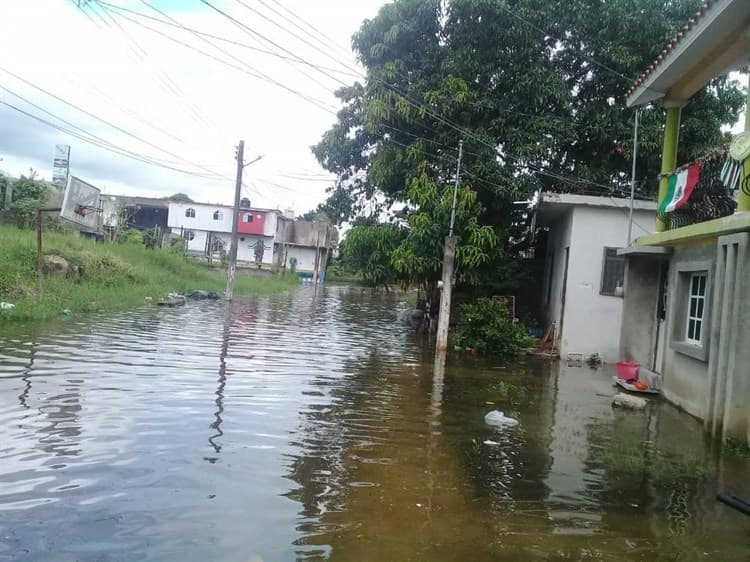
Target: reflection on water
{"points": [[314, 427]]}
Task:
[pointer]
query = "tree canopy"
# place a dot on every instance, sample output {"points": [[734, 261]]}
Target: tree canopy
{"points": [[534, 88], [528, 84]]}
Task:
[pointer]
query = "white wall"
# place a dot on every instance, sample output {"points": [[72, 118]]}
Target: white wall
{"points": [[305, 257], [204, 217], [592, 321], [559, 239]]}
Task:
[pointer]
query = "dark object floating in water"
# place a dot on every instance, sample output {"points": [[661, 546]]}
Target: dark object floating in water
{"points": [[204, 295], [734, 501], [172, 300]]}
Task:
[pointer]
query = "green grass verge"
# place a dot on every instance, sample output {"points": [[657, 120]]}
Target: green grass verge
{"points": [[109, 276]]}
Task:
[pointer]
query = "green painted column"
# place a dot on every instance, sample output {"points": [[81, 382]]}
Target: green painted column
{"points": [[743, 201], [669, 153]]}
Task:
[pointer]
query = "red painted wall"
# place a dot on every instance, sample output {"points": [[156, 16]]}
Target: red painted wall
{"points": [[247, 225]]}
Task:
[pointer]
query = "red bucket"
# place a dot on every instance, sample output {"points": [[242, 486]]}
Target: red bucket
{"points": [[627, 370]]}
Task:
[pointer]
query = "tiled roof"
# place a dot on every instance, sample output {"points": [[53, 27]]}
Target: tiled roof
{"points": [[704, 7]]}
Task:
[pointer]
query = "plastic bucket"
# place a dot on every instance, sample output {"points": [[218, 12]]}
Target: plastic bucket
{"points": [[627, 370]]}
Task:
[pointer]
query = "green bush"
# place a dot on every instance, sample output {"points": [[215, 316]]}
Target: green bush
{"points": [[486, 326]]}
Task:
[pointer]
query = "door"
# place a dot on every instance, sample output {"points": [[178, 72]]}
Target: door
{"points": [[660, 338], [563, 297]]}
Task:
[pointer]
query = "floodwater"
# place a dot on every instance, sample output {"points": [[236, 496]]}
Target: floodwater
{"points": [[311, 427]]}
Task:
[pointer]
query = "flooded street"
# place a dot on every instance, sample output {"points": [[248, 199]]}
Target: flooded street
{"points": [[310, 427]]}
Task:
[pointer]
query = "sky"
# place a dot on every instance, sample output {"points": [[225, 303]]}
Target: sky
{"points": [[94, 72]]}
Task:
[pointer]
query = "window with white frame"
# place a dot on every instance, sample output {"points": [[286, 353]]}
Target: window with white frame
{"points": [[190, 213], [696, 309]]}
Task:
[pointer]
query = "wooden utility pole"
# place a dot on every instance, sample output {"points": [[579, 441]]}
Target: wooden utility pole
{"points": [[232, 264], [449, 256]]}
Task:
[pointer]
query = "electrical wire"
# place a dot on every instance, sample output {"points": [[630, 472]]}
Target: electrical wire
{"points": [[90, 140], [104, 121], [245, 68]]}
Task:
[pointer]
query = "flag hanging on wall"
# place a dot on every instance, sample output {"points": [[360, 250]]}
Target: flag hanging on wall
{"points": [[681, 185], [731, 174]]}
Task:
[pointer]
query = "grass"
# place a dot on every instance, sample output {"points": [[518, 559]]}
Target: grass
{"points": [[737, 448], [107, 276]]}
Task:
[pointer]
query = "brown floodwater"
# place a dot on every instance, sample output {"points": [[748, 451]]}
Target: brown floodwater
{"points": [[313, 426]]}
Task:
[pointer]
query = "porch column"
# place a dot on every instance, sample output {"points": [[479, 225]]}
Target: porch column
{"points": [[669, 152], [743, 201]]}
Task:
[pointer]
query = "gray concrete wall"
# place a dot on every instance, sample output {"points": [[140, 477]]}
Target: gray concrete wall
{"points": [[685, 377], [640, 303]]}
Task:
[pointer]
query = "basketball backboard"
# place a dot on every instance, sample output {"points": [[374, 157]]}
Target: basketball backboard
{"points": [[81, 204]]}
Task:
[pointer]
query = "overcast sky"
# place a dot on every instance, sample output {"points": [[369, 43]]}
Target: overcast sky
{"points": [[161, 100]]}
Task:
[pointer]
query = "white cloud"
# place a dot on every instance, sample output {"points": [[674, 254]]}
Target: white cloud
{"points": [[190, 109]]}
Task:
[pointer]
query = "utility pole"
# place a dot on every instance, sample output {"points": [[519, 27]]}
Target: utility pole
{"points": [[449, 255], [632, 178], [232, 266]]}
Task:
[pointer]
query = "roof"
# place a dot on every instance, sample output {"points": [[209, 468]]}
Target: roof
{"points": [[714, 41], [552, 206]]}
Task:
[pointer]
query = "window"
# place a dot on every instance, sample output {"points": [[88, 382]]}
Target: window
{"points": [[218, 215], [688, 309], [696, 308], [613, 272], [247, 217], [190, 213], [188, 235]]}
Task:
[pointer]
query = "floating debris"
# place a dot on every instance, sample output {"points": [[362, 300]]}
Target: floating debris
{"points": [[498, 419], [172, 299], [7, 306], [628, 402]]}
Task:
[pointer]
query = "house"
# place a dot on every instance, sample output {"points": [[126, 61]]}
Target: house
{"points": [[579, 238], [138, 213], [308, 243], [686, 311], [207, 228]]}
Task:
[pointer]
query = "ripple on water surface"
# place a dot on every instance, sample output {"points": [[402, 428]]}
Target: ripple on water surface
{"points": [[309, 426]]}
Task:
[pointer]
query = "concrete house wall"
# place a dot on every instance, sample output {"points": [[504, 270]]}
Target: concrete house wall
{"points": [[591, 322]]}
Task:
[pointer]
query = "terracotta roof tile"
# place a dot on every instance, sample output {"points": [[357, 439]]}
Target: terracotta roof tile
{"points": [[704, 7]]}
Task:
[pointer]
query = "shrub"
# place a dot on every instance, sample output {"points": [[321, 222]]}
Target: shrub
{"points": [[486, 326]]}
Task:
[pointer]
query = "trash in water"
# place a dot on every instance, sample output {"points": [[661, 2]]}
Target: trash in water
{"points": [[67, 312], [7, 306], [498, 419], [490, 442]]}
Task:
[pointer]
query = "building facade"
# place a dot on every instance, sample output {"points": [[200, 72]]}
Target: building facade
{"points": [[583, 273], [687, 312]]}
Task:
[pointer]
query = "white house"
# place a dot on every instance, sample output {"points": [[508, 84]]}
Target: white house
{"points": [[583, 274], [208, 230]]}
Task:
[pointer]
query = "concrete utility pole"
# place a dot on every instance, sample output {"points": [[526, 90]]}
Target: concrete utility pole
{"points": [[232, 265], [449, 255]]}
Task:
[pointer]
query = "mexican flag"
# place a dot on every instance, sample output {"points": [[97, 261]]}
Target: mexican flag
{"points": [[681, 185]]}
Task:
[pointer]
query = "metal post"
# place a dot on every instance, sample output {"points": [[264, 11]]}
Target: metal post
{"points": [[232, 265], [632, 177], [669, 154], [39, 260]]}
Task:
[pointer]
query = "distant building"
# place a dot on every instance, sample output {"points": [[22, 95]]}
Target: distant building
{"points": [[208, 230], [583, 275], [138, 213]]}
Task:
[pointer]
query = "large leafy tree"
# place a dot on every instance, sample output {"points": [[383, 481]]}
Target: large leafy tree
{"points": [[528, 85], [534, 88]]}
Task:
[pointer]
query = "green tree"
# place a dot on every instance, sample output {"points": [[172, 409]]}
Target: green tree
{"points": [[368, 250], [29, 194], [536, 90], [180, 198]]}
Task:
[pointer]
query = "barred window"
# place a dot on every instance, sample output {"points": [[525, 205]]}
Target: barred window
{"points": [[613, 272]]}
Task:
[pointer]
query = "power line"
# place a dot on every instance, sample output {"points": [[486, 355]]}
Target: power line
{"points": [[194, 31], [247, 69], [90, 140], [104, 121]]}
